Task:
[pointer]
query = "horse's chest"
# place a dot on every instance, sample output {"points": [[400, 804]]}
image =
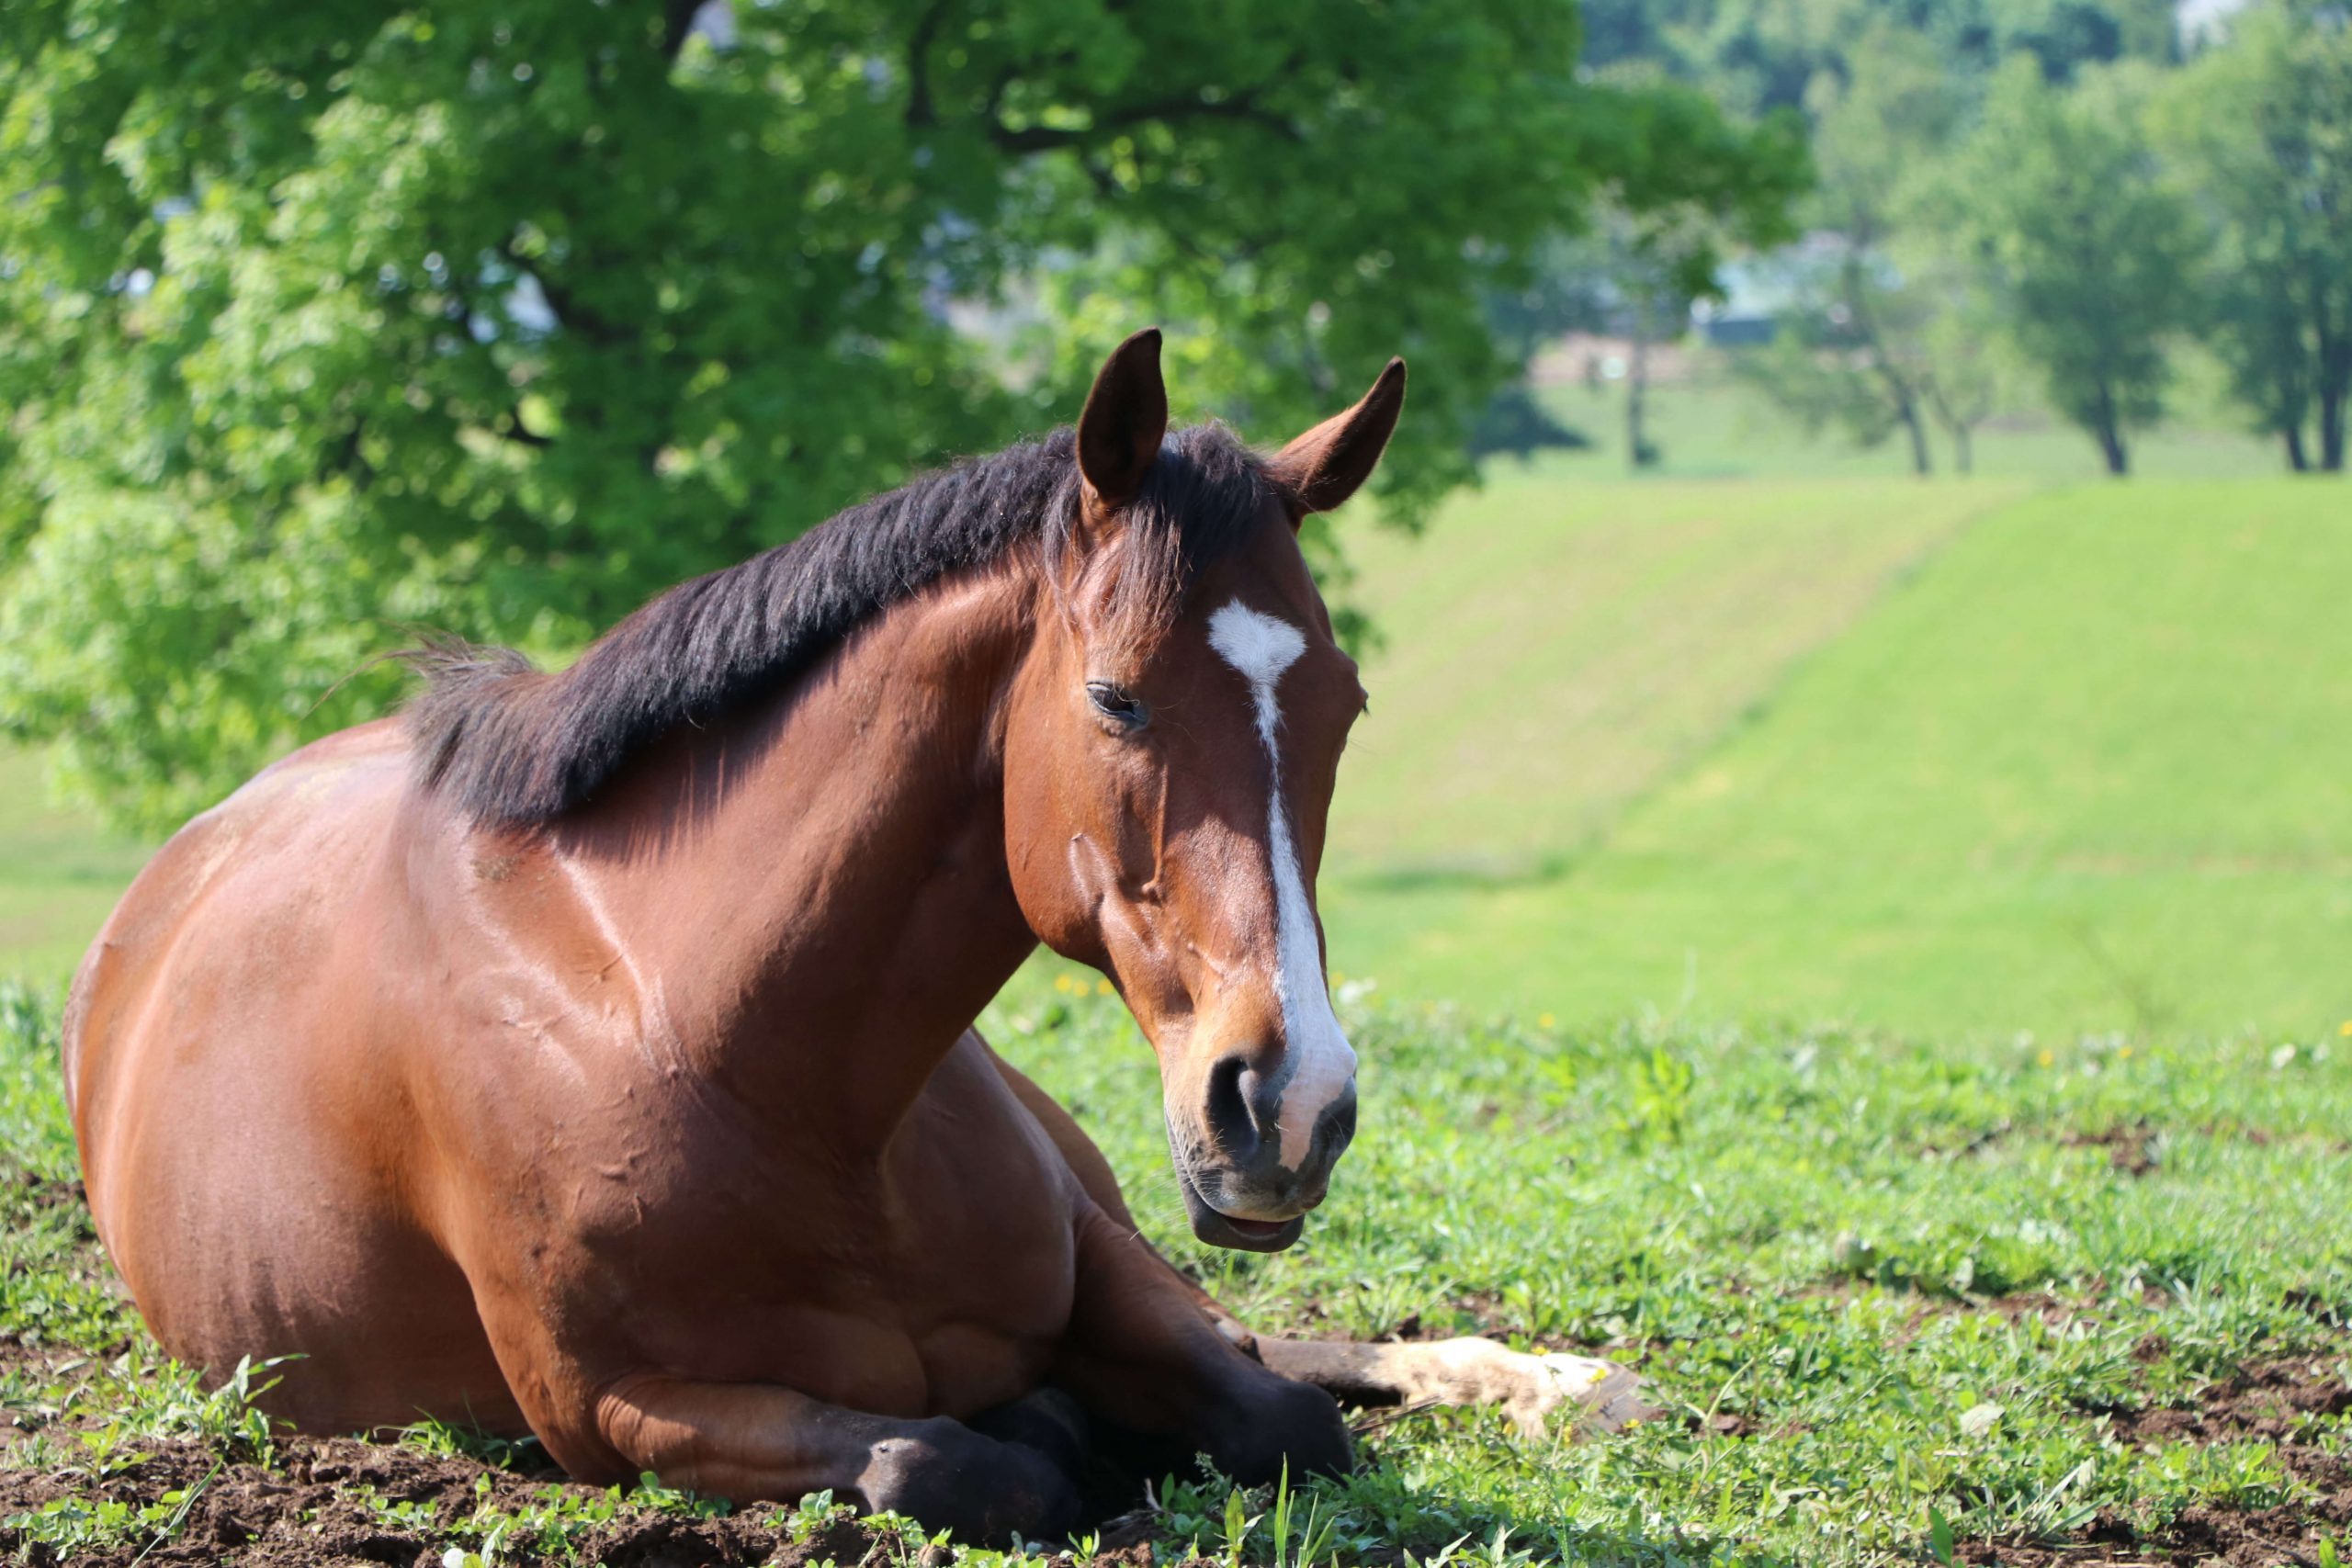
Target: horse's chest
{"points": [[937, 1281]]}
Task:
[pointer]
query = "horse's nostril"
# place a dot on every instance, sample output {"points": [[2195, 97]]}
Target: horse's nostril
{"points": [[1337, 1129], [1231, 1120]]}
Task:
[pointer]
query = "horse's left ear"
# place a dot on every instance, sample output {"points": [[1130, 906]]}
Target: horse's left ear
{"points": [[1324, 467], [1125, 418]]}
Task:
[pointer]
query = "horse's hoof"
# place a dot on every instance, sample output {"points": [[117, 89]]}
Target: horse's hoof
{"points": [[1293, 1426], [983, 1490]]}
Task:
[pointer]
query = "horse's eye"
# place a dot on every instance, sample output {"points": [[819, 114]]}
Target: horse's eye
{"points": [[1117, 703]]}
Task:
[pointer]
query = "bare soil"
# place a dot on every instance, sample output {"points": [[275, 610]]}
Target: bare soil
{"points": [[308, 1511], [2271, 1402]]}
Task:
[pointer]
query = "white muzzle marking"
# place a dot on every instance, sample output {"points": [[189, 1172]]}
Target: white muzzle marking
{"points": [[1318, 1064]]}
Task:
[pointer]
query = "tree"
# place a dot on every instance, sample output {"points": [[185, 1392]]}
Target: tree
{"points": [[315, 319], [1853, 349], [2088, 254], [2262, 130]]}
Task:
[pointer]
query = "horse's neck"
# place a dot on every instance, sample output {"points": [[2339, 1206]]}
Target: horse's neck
{"points": [[818, 886]]}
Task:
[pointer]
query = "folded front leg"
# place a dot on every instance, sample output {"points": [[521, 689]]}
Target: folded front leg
{"points": [[758, 1442], [1142, 1354]]}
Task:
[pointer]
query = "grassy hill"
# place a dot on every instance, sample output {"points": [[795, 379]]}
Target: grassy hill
{"points": [[2084, 769]]}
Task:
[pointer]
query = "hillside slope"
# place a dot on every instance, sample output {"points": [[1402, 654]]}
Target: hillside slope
{"points": [[2088, 769]]}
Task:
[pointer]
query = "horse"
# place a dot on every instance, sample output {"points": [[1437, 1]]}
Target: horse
{"points": [[589, 1055]]}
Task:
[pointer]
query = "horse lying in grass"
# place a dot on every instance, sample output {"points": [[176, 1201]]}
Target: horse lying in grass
{"points": [[589, 1054]]}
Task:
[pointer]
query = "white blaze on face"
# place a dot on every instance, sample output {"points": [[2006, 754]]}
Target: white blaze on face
{"points": [[1317, 1064]]}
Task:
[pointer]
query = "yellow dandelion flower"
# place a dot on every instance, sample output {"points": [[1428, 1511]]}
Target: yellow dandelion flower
{"points": [[2124, 1052], [1545, 1021], [1103, 987], [2046, 1058], [2344, 1028]]}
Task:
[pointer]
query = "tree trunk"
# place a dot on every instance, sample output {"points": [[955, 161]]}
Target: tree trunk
{"points": [[1964, 447], [2293, 435], [2110, 447], [1909, 411], [2109, 433], [1637, 381], [2335, 385]]}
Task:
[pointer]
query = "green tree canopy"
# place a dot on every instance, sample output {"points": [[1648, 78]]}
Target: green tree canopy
{"points": [[499, 317], [2262, 129], [2088, 253]]}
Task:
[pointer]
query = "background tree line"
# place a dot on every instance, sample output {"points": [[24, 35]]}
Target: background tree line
{"points": [[2066, 189]]}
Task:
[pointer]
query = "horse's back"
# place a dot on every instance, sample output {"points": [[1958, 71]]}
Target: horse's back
{"points": [[216, 1056]]}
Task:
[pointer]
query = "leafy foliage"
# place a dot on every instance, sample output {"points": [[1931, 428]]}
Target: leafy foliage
{"points": [[2261, 130], [319, 322], [2088, 252]]}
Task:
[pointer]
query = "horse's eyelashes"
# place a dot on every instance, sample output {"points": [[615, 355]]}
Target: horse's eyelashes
{"points": [[1117, 703]]}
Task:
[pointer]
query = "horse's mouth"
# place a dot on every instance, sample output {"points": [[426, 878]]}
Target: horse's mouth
{"points": [[1220, 1229]]}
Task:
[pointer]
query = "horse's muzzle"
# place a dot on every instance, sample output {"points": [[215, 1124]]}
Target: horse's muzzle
{"points": [[1238, 1192]]}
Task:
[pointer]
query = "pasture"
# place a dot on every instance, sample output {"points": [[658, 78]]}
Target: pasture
{"points": [[1891, 938], [1894, 1303], [1946, 758]]}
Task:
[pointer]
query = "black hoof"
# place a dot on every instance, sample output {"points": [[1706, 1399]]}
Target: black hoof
{"points": [[1291, 1425], [949, 1477]]}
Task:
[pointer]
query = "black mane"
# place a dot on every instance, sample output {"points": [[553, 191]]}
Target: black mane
{"points": [[510, 743]]}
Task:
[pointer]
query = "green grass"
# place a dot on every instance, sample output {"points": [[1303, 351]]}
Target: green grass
{"points": [[1551, 652], [1711, 429], [2082, 770], [59, 875], [1872, 1282]]}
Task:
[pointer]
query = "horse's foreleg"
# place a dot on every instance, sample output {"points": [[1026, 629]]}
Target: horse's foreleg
{"points": [[758, 1442], [1529, 1388], [1141, 1353]]}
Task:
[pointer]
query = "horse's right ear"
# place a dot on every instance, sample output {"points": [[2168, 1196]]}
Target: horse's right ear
{"points": [[1125, 417]]}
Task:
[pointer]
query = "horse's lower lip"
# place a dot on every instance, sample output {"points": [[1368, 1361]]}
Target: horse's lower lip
{"points": [[1220, 1229], [1257, 1230]]}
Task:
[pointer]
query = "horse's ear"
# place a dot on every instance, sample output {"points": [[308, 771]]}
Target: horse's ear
{"points": [[1324, 467], [1126, 415]]}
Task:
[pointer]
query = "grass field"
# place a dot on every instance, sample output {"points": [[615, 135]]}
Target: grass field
{"points": [[1896, 1303], [1713, 429], [1938, 758]]}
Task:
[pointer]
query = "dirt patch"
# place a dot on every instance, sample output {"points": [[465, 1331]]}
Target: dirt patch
{"points": [[339, 1501], [312, 1508], [2275, 1402], [2132, 1148]]}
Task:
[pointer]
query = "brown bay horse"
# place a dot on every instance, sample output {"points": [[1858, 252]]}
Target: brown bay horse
{"points": [[589, 1054]]}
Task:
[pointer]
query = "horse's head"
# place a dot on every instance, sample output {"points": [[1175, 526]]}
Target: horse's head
{"points": [[1171, 750]]}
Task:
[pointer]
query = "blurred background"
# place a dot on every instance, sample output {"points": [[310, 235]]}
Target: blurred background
{"points": [[1869, 542]]}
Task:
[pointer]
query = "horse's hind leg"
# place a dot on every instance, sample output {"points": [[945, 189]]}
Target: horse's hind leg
{"points": [[759, 1441], [1529, 1388]]}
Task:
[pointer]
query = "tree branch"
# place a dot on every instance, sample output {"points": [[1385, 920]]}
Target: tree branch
{"points": [[677, 26], [1167, 110], [919, 106]]}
